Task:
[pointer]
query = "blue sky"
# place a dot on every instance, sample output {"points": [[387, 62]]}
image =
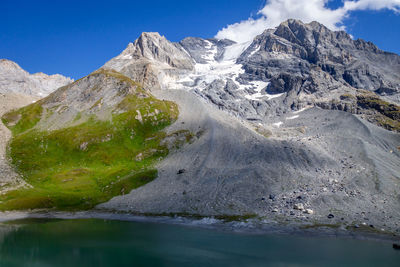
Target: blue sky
{"points": [[74, 38]]}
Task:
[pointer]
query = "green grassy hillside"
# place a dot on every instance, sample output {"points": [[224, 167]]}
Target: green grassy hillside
{"points": [[79, 166]]}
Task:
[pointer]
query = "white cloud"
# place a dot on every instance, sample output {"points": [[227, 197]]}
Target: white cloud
{"points": [[277, 11], [372, 5]]}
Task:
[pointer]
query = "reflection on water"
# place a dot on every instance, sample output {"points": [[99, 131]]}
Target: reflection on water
{"points": [[93, 242]]}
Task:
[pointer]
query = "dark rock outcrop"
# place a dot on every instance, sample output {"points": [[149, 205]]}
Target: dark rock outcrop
{"points": [[308, 50]]}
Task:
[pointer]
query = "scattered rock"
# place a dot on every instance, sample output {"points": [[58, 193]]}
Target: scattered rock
{"points": [[309, 211], [83, 146], [139, 116], [181, 171], [298, 206], [271, 196], [139, 157]]}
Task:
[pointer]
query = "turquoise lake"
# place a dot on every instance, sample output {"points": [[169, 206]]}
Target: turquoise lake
{"points": [[95, 242]]}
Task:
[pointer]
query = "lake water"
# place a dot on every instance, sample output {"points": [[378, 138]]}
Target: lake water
{"points": [[95, 242]]}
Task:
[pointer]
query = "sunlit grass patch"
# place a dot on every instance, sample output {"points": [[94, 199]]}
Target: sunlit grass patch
{"points": [[80, 166]]}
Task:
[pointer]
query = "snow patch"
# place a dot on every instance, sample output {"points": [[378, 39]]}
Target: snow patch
{"points": [[258, 95], [301, 110], [293, 117], [205, 73], [226, 68], [125, 56], [255, 51], [211, 53], [277, 124], [259, 86], [234, 51]]}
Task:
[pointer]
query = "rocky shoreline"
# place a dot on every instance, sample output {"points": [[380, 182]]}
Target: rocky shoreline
{"points": [[257, 226]]}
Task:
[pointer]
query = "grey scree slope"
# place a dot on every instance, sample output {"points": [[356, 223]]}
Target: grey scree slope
{"points": [[342, 165]]}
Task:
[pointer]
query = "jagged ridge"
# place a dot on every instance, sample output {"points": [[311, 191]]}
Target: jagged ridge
{"points": [[13, 79]]}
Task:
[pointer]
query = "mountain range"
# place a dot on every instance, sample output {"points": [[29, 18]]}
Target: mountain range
{"points": [[13, 79], [301, 124]]}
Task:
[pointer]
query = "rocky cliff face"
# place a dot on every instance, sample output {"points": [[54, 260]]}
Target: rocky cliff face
{"points": [[311, 59], [150, 59], [13, 79]]}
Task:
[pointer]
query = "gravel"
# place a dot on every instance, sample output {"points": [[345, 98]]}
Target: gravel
{"points": [[9, 179], [339, 165]]}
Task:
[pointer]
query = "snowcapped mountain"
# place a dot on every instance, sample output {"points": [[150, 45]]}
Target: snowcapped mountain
{"points": [[285, 69], [13, 79], [151, 60], [300, 96]]}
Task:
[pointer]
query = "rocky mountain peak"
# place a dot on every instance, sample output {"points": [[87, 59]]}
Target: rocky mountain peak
{"points": [[5, 63], [147, 44], [315, 35], [154, 47], [14, 79], [293, 65], [310, 35], [150, 58], [93, 94]]}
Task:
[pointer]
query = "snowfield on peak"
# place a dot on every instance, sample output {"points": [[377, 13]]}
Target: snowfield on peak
{"points": [[213, 68], [282, 70]]}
